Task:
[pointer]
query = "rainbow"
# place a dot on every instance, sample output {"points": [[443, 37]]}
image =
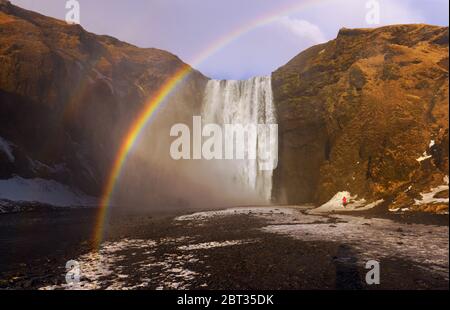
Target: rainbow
{"points": [[151, 106]]}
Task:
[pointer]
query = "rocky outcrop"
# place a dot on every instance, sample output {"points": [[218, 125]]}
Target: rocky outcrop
{"points": [[67, 97], [366, 113]]}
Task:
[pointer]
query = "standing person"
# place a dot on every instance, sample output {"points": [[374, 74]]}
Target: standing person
{"points": [[344, 201]]}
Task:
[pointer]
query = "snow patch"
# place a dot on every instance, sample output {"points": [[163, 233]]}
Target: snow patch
{"points": [[428, 198], [424, 157], [235, 211], [213, 244], [274, 215], [109, 268], [43, 191], [94, 267], [372, 238], [336, 204], [375, 238], [400, 210]]}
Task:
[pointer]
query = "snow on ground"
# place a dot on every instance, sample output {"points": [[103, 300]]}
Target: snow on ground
{"points": [[95, 267], [43, 191], [214, 244], [267, 213], [372, 238], [336, 204], [432, 143], [133, 263], [428, 198], [400, 210], [6, 148], [234, 211], [377, 238], [425, 155], [272, 214]]}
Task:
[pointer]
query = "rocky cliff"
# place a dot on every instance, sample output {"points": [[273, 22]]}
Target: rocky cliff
{"points": [[366, 113], [67, 97]]}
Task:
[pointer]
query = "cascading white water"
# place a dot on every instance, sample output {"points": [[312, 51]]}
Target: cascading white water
{"points": [[245, 103]]}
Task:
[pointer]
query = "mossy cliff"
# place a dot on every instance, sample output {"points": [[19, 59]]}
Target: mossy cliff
{"points": [[358, 113]]}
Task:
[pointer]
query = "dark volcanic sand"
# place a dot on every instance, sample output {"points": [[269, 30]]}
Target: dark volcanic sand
{"points": [[35, 247]]}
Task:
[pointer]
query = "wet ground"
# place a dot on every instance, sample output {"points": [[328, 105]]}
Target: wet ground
{"points": [[241, 248]]}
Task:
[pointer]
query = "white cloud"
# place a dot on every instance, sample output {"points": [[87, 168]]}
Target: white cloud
{"points": [[302, 28], [331, 15], [399, 13]]}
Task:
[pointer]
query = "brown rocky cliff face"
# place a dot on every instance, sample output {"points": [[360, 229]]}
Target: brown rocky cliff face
{"points": [[356, 113], [68, 96]]}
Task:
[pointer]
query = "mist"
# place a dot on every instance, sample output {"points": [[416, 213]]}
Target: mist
{"points": [[152, 180]]}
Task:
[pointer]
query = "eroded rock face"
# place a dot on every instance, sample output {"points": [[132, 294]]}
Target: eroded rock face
{"points": [[67, 96], [357, 114]]}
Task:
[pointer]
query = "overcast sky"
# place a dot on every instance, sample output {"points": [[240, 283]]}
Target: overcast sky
{"points": [[188, 27]]}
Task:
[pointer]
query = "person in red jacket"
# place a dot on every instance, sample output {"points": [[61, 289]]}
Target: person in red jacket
{"points": [[344, 201]]}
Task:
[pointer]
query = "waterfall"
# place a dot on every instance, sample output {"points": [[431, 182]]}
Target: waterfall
{"points": [[248, 102]]}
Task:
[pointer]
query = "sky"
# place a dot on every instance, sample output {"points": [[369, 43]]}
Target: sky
{"points": [[261, 35]]}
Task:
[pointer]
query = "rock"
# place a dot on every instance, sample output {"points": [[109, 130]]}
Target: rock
{"points": [[357, 112], [442, 194], [357, 77], [67, 96]]}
